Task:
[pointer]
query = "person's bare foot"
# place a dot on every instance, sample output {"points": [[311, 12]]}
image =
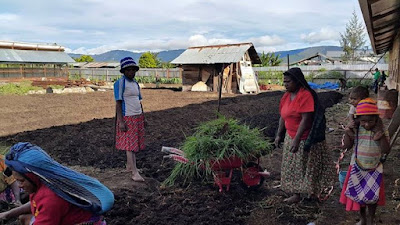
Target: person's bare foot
{"points": [[293, 199], [137, 178], [361, 222]]}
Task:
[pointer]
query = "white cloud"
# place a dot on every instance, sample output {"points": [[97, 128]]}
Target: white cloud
{"points": [[165, 25], [267, 40], [7, 17], [324, 34]]}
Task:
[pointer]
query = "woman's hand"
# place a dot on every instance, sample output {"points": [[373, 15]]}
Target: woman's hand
{"points": [[350, 132], [294, 147], [4, 215], [122, 126], [351, 124], [277, 141]]}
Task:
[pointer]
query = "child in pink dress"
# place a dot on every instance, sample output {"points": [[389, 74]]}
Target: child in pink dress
{"points": [[372, 148]]}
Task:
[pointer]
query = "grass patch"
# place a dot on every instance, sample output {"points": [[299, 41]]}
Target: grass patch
{"points": [[4, 148], [20, 88]]}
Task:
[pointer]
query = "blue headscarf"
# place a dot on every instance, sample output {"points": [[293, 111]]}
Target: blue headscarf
{"points": [[74, 187]]}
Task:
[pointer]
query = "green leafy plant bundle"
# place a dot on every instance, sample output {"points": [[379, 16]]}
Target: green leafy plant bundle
{"points": [[215, 140]]}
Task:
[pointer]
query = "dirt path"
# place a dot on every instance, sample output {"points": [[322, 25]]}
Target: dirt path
{"points": [[66, 130]]}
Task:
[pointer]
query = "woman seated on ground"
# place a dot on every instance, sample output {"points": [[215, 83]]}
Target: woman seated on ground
{"points": [[58, 195], [306, 165]]}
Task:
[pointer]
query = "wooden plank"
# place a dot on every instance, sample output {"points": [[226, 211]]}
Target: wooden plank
{"points": [[394, 123], [229, 87], [394, 137], [205, 75], [215, 83]]}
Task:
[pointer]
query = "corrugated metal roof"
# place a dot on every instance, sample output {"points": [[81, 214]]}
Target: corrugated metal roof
{"points": [[77, 64], [382, 20], [33, 56], [101, 65], [217, 54]]}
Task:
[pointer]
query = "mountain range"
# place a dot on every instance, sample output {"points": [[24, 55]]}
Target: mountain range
{"points": [[167, 56]]}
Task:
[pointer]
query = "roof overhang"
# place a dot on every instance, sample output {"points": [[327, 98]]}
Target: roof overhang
{"points": [[34, 56], [382, 18]]}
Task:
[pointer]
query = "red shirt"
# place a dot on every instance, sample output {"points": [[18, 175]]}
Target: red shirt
{"points": [[50, 209], [291, 111]]}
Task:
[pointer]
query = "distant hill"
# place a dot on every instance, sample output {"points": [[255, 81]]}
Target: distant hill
{"points": [[167, 56], [116, 55]]}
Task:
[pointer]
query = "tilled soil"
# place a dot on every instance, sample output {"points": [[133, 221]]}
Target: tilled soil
{"points": [[88, 147]]}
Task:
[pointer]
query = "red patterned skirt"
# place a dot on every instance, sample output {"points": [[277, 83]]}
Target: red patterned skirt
{"points": [[133, 138], [354, 206]]}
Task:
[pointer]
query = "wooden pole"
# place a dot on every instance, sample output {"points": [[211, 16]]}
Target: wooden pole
{"points": [[220, 87], [288, 66]]}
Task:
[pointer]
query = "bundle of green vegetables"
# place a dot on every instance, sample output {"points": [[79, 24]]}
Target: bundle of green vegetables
{"points": [[215, 140]]}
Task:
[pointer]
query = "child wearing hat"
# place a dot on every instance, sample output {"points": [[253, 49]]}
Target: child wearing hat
{"points": [[368, 154], [130, 121]]}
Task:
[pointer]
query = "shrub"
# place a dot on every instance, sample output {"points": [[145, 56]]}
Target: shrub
{"points": [[358, 82], [270, 75]]}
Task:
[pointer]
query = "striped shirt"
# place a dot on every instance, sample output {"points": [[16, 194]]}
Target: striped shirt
{"points": [[368, 150]]}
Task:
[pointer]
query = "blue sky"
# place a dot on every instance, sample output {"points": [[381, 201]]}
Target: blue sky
{"points": [[97, 26]]}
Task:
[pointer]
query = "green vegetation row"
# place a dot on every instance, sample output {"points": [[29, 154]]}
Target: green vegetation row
{"points": [[139, 79], [276, 77], [22, 88]]}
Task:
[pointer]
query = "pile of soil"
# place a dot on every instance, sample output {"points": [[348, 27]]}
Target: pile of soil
{"points": [[90, 145]]}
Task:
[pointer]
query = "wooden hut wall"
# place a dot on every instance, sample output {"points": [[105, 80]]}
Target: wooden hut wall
{"points": [[394, 65], [209, 75], [195, 73]]}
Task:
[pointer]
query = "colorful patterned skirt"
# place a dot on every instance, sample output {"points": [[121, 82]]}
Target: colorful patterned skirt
{"points": [[306, 172], [354, 206], [133, 138]]}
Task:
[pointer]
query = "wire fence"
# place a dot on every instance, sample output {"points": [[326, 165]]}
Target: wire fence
{"points": [[112, 74]]}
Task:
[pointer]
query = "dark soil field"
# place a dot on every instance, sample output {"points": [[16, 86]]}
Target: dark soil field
{"points": [[77, 130]]}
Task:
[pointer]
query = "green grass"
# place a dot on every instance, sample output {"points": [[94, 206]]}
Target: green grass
{"points": [[215, 140], [20, 88], [4, 148]]}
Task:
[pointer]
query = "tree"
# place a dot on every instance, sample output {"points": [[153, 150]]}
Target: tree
{"points": [[270, 59], [353, 38], [84, 58], [167, 65], [148, 60]]}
